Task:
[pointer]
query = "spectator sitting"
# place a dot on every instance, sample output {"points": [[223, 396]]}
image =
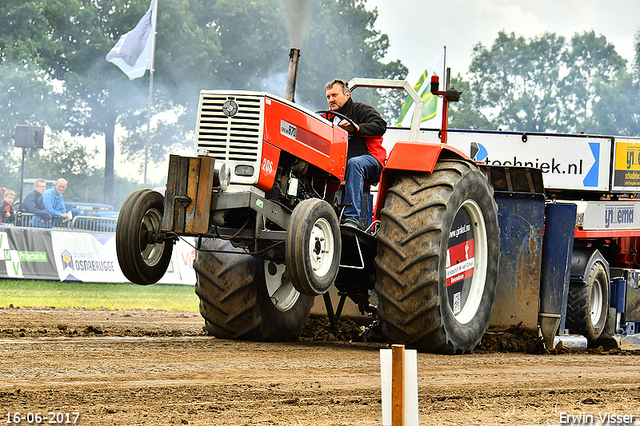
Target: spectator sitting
{"points": [[33, 202], [53, 201], [6, 210]]}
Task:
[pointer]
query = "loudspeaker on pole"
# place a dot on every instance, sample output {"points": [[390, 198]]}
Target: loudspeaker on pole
{"points": [[28, 136]]}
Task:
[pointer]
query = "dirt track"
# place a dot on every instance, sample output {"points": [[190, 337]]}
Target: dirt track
{"points": [[155, 368]]}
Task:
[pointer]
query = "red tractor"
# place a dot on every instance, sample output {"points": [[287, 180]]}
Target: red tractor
{"points": [[263, 200]]}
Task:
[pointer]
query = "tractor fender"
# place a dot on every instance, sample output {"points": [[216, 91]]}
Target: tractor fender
{"points": [[413, 156], [420, 156], [582, 258]]}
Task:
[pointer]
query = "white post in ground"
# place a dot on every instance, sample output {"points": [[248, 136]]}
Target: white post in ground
{"points": [[399, 377]]}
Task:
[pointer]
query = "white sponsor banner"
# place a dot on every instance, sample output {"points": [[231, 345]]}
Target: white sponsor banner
{"points": [[567, 162], [599, 215], [88, 257], [183, 255]]}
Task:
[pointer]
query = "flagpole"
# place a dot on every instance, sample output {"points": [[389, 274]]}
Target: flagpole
{"points": [[151, 71], [444, 64]]}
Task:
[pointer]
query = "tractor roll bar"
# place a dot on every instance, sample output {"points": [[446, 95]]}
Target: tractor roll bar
{"points": [[396, 84]]}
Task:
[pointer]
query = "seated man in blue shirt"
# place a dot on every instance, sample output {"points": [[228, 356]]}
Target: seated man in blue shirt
{"points": [[53, 201]]}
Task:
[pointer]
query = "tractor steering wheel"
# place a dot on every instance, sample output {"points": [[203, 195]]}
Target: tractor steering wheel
{"points": [[342, 116]]}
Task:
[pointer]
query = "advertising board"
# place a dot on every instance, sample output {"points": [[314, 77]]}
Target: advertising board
{"points": [[571, 162], [626, 165]]}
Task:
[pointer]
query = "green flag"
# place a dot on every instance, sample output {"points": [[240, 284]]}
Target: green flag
{"points": [[423, 87]]}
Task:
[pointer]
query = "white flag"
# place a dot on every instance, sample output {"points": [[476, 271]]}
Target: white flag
{"points": [[134, 51]]}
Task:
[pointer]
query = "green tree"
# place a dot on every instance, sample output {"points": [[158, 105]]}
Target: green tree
{"points": [[69, 160], [68, 40], [26, 99], [61, 39], [593, 65], [617, 112], [188, 59], [464, 114], [515, 81], [231, 44], [245, 50], [221, 44], [343, 43], [27, 95], [636, 58], [617, 109], [541, 84]]}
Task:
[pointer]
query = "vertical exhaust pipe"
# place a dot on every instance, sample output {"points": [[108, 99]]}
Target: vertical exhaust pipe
{"points": [[292, 73]]}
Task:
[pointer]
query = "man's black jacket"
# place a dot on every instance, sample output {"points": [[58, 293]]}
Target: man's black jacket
{"points": [[370, 122]]}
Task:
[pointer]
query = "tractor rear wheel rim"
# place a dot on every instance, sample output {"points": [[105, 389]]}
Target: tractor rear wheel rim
{"points": [[466, 262], [279, 287]]}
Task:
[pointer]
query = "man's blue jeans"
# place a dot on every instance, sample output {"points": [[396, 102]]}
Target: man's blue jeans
{"points": [[361, 169]]}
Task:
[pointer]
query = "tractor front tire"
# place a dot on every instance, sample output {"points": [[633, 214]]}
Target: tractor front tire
{"points": [[142, 260], [246, 298], [313, 246], [437, 260]]}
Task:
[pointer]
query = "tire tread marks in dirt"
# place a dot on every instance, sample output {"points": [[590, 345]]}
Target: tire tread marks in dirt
{"points": [[234, 301], [410, 264]]}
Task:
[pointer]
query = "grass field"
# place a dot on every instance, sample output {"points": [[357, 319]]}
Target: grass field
{"points": [[32, 293]]}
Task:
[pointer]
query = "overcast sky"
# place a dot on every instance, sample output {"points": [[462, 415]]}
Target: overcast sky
{"points": [[418, 29]]}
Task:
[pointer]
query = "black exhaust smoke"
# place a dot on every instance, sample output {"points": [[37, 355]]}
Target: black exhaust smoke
{"points": [[292, 73]]}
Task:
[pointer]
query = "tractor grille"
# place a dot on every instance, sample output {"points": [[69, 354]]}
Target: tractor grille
{"points": [[235, 140]]}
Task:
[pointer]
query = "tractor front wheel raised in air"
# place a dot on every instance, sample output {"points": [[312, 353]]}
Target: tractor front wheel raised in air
{"points": [[142, 259], [246, 298], [437, 262]]}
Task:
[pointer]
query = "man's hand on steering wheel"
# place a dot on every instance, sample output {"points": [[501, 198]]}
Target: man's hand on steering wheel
{"points": [[349, 126], [346, 123]]}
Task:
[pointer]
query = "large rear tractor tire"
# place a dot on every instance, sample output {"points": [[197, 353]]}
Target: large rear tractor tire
{"points": [[142, 260], [588, 301], [437, 261], [245, 298]]}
